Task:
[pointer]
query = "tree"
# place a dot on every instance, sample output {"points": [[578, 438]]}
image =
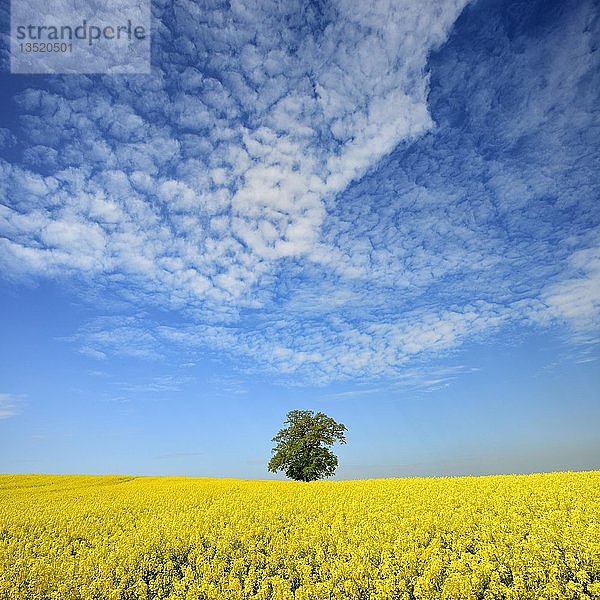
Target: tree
{"points": [[301, 449]]}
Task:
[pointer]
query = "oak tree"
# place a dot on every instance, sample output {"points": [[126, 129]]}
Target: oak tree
{"points": [[302, 449]]}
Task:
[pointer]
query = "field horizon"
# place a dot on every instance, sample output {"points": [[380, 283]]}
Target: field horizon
{"points": [[283, 479]]}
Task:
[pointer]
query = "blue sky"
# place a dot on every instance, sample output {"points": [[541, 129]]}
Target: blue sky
{"points": [[387, 211]]}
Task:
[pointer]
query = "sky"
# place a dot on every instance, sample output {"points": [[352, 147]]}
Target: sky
{"points": [[387, 211]]}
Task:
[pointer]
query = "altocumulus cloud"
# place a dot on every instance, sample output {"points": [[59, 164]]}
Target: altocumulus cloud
{"points": [[332, 189]]}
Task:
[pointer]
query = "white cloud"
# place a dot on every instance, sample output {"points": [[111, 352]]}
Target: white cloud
{"points": [[577, 298], [269, 171], [226, 186], [8, 405]]}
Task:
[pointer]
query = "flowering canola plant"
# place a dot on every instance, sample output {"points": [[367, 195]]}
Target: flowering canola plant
{"points": [[109, 538]]}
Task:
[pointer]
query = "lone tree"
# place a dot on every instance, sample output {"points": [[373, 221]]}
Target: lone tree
{"points": [[301, 449]]}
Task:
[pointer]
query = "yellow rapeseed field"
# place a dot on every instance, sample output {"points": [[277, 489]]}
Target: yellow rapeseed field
{"points": [[526, 536]]}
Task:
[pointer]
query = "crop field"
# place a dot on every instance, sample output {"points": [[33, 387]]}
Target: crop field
{"points": [[525, 536]]}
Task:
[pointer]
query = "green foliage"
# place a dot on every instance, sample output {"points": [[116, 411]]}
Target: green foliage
{"points": [[301, 449]]}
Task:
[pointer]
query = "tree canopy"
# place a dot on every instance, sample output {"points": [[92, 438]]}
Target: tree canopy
{"points": [[302, 447]]}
